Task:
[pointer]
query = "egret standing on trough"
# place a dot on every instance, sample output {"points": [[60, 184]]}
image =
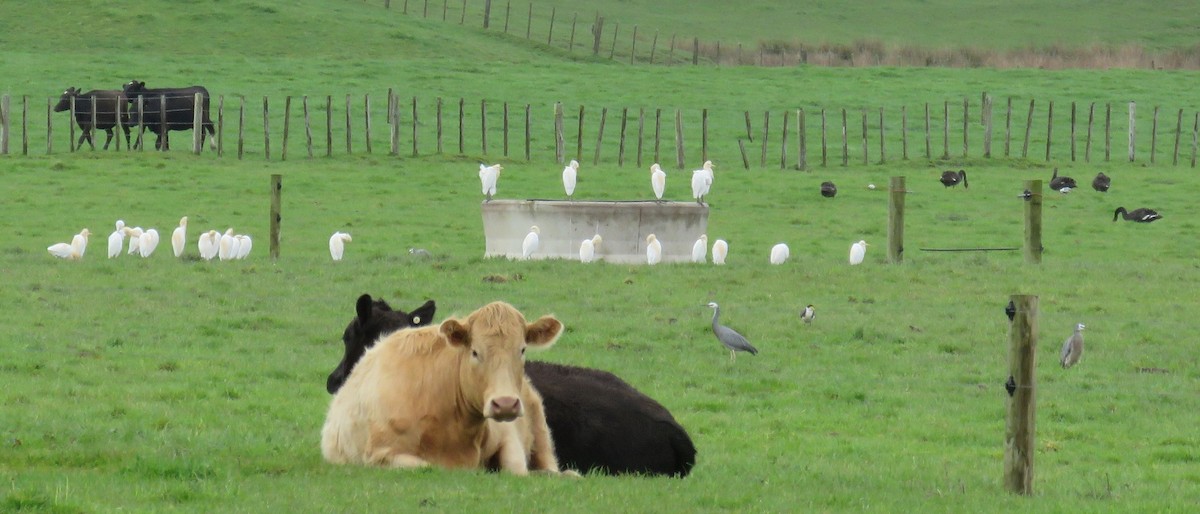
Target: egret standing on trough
{"points": [[658, 181], [531, 242], [488, 176], [1072, 348], [570, 173], [857, 252], [729, 337], [653, 250]]}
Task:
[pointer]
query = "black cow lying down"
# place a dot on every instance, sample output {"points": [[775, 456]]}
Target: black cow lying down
{"points": [[598, 422]]}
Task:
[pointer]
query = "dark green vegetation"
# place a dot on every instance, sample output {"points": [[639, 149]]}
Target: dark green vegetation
{"points": [[166, 385]]}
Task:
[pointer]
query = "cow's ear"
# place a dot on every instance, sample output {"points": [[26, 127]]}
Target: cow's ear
{"points": [[423, 315], [363, 308], [543, 332], [455, 333]]}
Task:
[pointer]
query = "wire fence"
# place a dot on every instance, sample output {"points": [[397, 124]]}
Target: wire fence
{"points": [[947, 131]]}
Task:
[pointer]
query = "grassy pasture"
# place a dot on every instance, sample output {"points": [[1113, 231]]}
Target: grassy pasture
{"points": [[190, 386]]}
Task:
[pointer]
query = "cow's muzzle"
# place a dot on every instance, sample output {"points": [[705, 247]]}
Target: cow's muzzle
{"points": [[504, 408]]}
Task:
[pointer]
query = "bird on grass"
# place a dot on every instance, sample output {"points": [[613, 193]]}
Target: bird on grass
{"points": [[531, 242], [116, 240], [134, 234], [952, 178], [420, 253], [1142, 215], [73, 251], [570, 173], [208, 244], [828, 190], [337, 244], [780, 253], [720, 251], [148, 242], [244, 245], [488, 176], [179, 237], [858, 251], [729, 337], [653, 250], [658, 181], [1072, 348], [225, 250], [1101, 183], [1057, 183], [808, 314], [700, 249], [587, 249]]}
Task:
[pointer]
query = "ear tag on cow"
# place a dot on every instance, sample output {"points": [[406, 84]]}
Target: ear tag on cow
{"points": [[416, 320]]}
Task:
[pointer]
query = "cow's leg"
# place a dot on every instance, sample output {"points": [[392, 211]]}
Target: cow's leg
{"points": [[541, 453], [511, 452], [126, 127], [385, 457], [86, 134], [108, 140]]}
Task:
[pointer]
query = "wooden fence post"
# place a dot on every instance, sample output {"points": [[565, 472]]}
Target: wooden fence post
{"points": [[349, 130], [621, 140], [1195, 138], [92, 131], [415, 124], [394, 127], [241, 144], [1132, 128], [783, 142], [504, 127], [71, 125], [307, 126], [487, 13], [928, 136], [1072, 131], [550, 34], [742, 148], [558, 132], [1107, 131], [220, 135], [527, 131], [6, 126], [529, 21], [276, 205], [824, 146], [1028, 128], [266, 129], [679, 162], [462, 104], [987, 126], [671, 54], [749, 130], [1049, 126], [438, 128], [287, 114], [633, 45], [162, 121], [704, 134], [1153, 133], [367, 121], [1008, 126], [197, 123], [571, 42], [966, 118], [612, 50], [25, 124], [653, 47], [1033, 222], [579, 136], [1178, 133], [597, 31], [904, 132], [882, 142], [896, 194], [845, 143], [865, 151], [802, 163], [600, 135], [945, 129], [657, 133], [328, 125], [641, 133], [766, 136], [1022, 414], [1087, 147], [50, 125]]}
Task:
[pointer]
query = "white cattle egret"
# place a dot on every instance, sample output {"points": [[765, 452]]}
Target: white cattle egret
{"points": [[235, 246], [780, 253], [700, 249], [658, 180], [244, 246], [701, 182], [73, 251], [587, 249], [225, 245], [337, 244], [857, 252], [720, 251], [570, 173], [116, 239], [488, 176], [134, 234], [530, 244], [708, 170], [653, 250], [148, 242], [208, 245], [179, 237]]}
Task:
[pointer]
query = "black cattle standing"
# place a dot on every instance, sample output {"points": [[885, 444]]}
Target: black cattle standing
{"points": [[176, 113], [107, 101], [599, 423]]}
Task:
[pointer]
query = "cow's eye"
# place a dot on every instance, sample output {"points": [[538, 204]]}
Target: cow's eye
{"points": [[474, 354], [522, 351]]}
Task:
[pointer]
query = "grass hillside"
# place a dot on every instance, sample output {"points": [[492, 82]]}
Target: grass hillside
{"points": [[180, 385]]}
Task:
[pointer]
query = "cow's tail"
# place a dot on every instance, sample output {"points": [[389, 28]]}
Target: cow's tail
{"points": [[685, 451]]}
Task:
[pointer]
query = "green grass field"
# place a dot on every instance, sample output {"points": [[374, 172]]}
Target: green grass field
{"points": [[165, 385]]}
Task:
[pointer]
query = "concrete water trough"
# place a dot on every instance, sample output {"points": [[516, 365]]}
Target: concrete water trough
{"points": [[623, 226]]}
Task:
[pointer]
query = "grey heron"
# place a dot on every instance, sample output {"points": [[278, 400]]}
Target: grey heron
{"points": [[729, 337], [1073, 347]]}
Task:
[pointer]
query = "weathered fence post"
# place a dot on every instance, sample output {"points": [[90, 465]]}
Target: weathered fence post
{"points": [[766, 136], [641, 133], [241, 144], [966, 119], [928, 136], [527, 131], [162, 122], [749, 130], [1195, 137], [695, 51], [824, 145], [1049, 126], [658, 133], [679, 162], [579, 136], [367, 121], [415, 124], [865, 150], [504, 127], [904, 132], [882, 142], [1033, 222], [5, 126], [621, 140], [197, 123], [1008, 126], [1021, 384], [1107, 131], [1178, 133], [612, 50], [438, 115], [92, 131], [987, 125], [328, 125], [220, 135], [704, 134], [845, 143], [1153, 133], [276, 203], [783, 142], [571, 42], [71, 125], [550, 34], [945, 129], [1087, 147], [349, 130], [896, 194], [287, 114], [266, 129], [462, 103], [49, 126], [600, 135], [25, 124], [802, 162], [558, 132], [394, 127], [1132, 128], [653, 46], [597, 31], [1028, 128], [1072, 131], [307, 126], [487, 13], [742, 148]]}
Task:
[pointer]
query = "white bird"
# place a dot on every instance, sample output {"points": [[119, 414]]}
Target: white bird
{"points": [[116, 240], [658, 180], [701, 182], [245, 246], [337, 244], [700, 249], [235, 246], [1072, 348], [530, 244], [708, 170], [587, 249], [569, 175], [134, 234], [225, 245], [488, 176], [74, 250], [208, 245], [148, 242], [653, 250], [720, 251], [857, 252], [780, 253], [179, 237]]}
